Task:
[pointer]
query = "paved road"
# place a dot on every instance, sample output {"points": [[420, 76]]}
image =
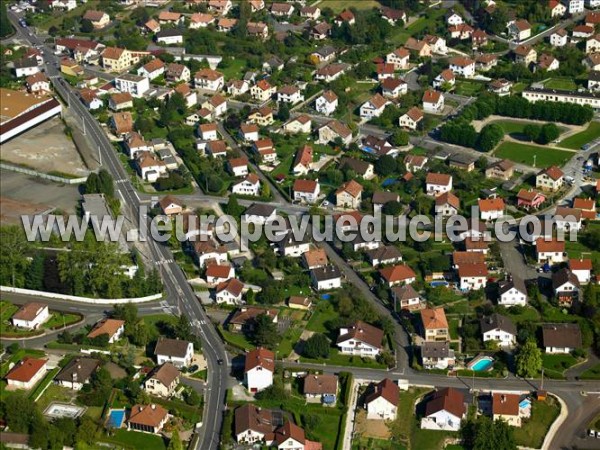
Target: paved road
{"points": [[178, 291]]}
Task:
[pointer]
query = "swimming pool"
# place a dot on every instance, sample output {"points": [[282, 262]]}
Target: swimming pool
{"points": [[389, 182], [326, 296], [369, 150], [116, 418], [439, 283], [525, 403], [481, 364]]}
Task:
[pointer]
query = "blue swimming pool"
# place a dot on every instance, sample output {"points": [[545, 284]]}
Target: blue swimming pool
{"points": [[481, 364], [369, 150], [116, 418], [439, 283], [326, 296], [389, 182], [525, 403]]}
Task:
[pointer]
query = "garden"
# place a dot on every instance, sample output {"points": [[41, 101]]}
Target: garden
{"points": [[533, 431]]}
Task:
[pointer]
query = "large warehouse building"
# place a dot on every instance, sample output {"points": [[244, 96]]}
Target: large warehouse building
{"points": [[20, 111]]}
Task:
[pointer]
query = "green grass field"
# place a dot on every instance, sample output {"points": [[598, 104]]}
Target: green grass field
{"points": [[524, 154], [534, 430], [323, 312], [339, 5], [557, 364], [562, 84], [468, 88], [136, 440], [375, 444], [58, 320], [592, 373], [578, 140]]}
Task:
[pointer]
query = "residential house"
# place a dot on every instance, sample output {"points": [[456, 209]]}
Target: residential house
{"points": [[27, 66], [445, 79], [258, 29], [411, 118], [121, 123], [147, 418], [171, 18], [99, 19], [557, 9], [248, 186], [506, 407], [335, 129], [462, 32], [178, 352], [393, 16], [264, 148], [249, 132], [208, 132], [419, 48], [349, 195], [453, 18], [360, 339], [200, 20], [136, 85], [326, 278], [331, 72], [326, 103], [170, 205], [530, 199], [346, 16], [525, 54], [592, 62], [116, 59], [385, 254], [320, 31], [244, 318], [262, 91], [322, 388], [236, 88], [435, 325], [323, 54], [37, 83], [229, 292], [566, 287], [500, 329], [491, 208], [587, 207], [550, 251], [300, 124], [259, 367], [561, 337], [262, 116], [254, 425], [547, 62], [178, 73], [500, 87], [476, 246], [567, 219], [501, 170], [447, 204], [289, 94], [415, 162], [445, 410], [206, 251], [433, 102], [582, 269], [438, 183], [162, 381], [559, 38], [113, 328], [149, 167], [479, 38], [209, 79], [384, 71], [303, 161], [299, 302], [289, 245], [407, 298], [90, 99], [310, 12], [282, 9], [519, 30], [220, 7], [462, 66], [393, 87], [398, 58], [260, 214], [373, 107], [120, 101], [397, 275], [219, 273], [472, 276], [225, 25], [26, 373], [437, 44], [217, 105], [575, 6], [382, 404], [151, 26], [512, 293], [550, 179], [437, 355], [380, 198], [30, 316], [77, 372]]}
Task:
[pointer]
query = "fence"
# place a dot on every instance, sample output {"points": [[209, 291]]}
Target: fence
{"points": [[42, 175], [96, 301]]}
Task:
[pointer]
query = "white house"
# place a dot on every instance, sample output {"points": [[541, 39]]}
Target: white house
{"points": [[393, 87], [113, 328], [209, 79], [445, 78], [26, 373], [326, 278], [382, 404], [178, 352], [360, 339], [557, 9], [289, 94], [399, 58], [561, 337], [326, 103], [303, 161], [238, 167], [26, 67], [152, 69], [559, 38], [462, 66], [438, 183], [592, 45], [299, 124], [437, 355], [491, 208], [512, 293], [169, 36], [259, 366], [31, 315], [262, 91], [77, 373], [249, 186], [259, 214], [208, 132], [550, 179], [373, 107], [135, 85], [472, 276], [149, 167], [519, 30], [582, 269], [568, 218], [575, 6], [447, 204], [550, 251], [249, 132], [566, 287], [229, 292], [452, 18], [500, 329], [306, 191], [411, 119], [445, 410], [433, 102]]}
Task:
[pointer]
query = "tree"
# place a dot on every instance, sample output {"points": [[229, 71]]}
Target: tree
{"points": [[233, 208], [399, 138], [392, 208], [175, 442], [385, 166], [92, 184], [488, 433], [13, 255], [489, 137], [529, 360], [548, 133], [34, 278], [183, 328], [87, 26], [284, 112], [265, 332], [6, 27], [191, 397], [316, 346]]}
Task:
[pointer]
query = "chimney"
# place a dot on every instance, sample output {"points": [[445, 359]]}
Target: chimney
{"points": [[153, 406], [502, 398]]}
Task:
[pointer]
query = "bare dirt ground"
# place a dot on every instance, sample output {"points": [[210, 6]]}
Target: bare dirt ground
{"points": [[45, 148], [377, 429], [24, 194]]}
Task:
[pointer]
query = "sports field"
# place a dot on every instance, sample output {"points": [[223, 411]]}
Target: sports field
{"points": [[524, 154]]}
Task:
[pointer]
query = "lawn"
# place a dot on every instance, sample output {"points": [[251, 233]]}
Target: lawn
{"points": [[59, 320], [375, 444], [339, 5], [516, 127], [45, 382], [468, 88], [323, 312], [534, 430], [236, 339], [234, 68], [555, 365], [135, 440], [593, 373], [578, 140], [423, 22], [55, 393], [7, 310], [336, 359], [151, 321], [524, 154], [562, 84], [524, 314]]}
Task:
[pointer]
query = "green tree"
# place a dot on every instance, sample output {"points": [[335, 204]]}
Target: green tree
{"points": [[548, 133], [175, 442], [92, 184], [13, 255], [87, 26], [183, 328], [392, 208], [284, 112], [105, 183], [34, 278], [399, 138], [490, 136], [529, 360], [385, 166], [6, 27], [265, 332], [316, 346]]}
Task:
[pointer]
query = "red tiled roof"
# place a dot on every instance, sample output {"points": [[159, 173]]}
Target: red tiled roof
{"points": [[25, 369], [260, 357], [433, 319]]}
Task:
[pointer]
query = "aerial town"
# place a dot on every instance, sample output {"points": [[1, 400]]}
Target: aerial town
{"points": [[160, 157]]}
